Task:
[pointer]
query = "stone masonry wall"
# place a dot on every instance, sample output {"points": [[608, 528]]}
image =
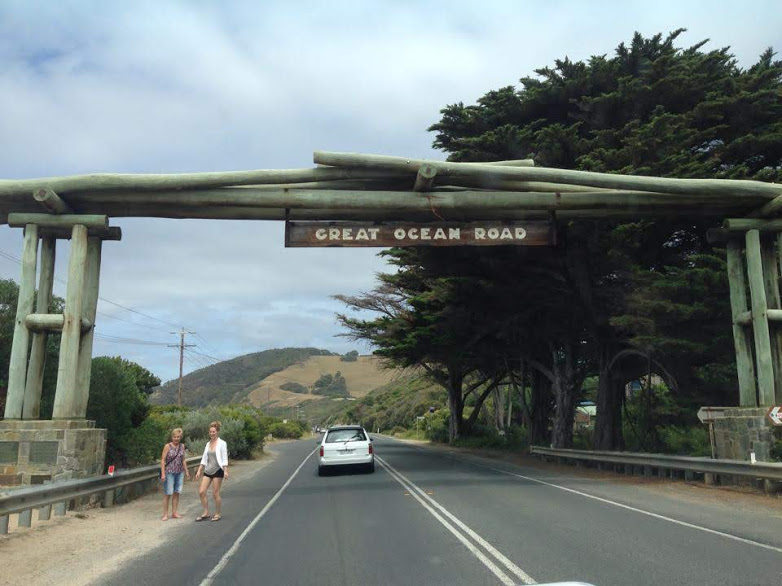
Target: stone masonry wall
{"points": [[32, 452], [742, 431]]}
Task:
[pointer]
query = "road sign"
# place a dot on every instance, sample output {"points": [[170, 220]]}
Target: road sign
{"points": [[708, 414], [775, 415], [111, 470], [386, 234]]}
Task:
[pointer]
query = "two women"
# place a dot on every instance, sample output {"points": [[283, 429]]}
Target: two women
{"points": [[213, 467]]}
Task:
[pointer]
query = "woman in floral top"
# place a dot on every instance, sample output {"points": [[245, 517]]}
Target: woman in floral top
{"points": [[172, 472]]}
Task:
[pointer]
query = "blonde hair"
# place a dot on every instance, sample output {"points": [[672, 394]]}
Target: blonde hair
{"points": [[176, 430], [215, 424]]}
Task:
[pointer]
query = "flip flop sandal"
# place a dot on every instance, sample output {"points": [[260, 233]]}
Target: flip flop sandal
{"points": [[216, 518], [202, 518]]}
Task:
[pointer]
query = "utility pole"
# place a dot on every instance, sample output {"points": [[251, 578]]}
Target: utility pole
{"points": [[181, 347]]}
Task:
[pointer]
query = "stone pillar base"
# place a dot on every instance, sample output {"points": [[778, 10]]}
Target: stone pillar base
{"points": [[33, 451], [744, 430]]}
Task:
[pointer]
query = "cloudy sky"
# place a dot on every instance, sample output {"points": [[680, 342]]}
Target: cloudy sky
{"points": [[170, 87]]}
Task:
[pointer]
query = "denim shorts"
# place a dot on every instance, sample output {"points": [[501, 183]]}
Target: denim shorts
{"points": [[174, 482]]}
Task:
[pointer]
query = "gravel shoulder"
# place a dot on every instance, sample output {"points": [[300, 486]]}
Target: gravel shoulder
{"points": [[83, 546]]}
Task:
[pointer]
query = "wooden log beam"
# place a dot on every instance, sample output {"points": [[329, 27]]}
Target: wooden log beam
{"points": [[51, 322], [149, 182], [742, 340], [743, 319], [768, 210], [16, 220], [424, 180], [720, 187], [17, 367], [113, 233], [774, 315], [745, 224], [502, 184], [34, 385], [52, 202], [508, 163], [112, 203]]}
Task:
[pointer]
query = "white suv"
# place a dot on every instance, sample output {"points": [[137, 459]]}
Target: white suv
{"points": [[346, 445]]}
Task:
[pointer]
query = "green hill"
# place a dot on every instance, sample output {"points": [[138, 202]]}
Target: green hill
{"points": [[232, 380]]}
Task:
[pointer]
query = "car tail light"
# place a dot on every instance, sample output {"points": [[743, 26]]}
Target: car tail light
{"points": [[370, 448], [321, 451]]}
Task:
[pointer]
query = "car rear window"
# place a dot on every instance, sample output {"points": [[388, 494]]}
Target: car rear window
{"points": [[346, 435]]}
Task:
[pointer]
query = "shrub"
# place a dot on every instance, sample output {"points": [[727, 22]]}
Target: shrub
{"points": [[294, 387], [437, 426], [289, 430]]}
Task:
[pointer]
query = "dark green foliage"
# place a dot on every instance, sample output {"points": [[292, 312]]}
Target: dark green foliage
{"points": [[116, 403], [294, 388], [231, 380], [351, 356], [331, 386], [654, 287], [776, 446], [289, 430], [243, 429]]}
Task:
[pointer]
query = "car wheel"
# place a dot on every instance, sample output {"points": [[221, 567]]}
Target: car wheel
{"points": [[321, 471], [371, 467]]}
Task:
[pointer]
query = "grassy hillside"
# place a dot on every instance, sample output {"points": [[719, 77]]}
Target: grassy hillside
{"points": [[361, 376], [231, 380]]}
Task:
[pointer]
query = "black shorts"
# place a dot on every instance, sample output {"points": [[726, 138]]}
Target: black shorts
{"points": [[218, 474]]}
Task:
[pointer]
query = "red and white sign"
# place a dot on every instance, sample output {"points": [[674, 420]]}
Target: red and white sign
{"points": [[111, 470], [775, 415]]}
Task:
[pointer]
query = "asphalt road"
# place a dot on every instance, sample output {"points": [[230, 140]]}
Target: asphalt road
{"points": [[427, 517]]}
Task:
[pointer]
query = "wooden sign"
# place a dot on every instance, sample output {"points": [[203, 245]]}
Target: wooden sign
{"points": [[388, 234]]}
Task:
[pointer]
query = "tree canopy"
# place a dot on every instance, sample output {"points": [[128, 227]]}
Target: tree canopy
{"points": [[611, 299]]}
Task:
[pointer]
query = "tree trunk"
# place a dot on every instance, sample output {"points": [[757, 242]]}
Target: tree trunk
{"points": [[455, 405], [499, 415], [608, 427], [565, 386], [540, 411]]}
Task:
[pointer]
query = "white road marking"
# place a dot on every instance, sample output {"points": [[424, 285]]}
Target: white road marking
{"points": [[235, 547], [641, 511], [426, 501]]}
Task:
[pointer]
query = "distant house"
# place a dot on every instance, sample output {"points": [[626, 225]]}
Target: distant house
{"points": [[585, 415]]}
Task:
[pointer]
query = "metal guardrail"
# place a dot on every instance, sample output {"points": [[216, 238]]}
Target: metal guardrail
{"points": [[24, 500], [764, 470]]}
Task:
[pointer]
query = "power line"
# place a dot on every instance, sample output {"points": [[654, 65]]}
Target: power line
{"points": [[62, 281], [212, 358], [121, 340]]}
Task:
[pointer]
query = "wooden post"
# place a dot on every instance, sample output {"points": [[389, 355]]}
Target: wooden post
{"points": [[17, 367], [765, 369], [65, 394], [89, 309], [32, 391], [741, 337], [771, 279]]}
